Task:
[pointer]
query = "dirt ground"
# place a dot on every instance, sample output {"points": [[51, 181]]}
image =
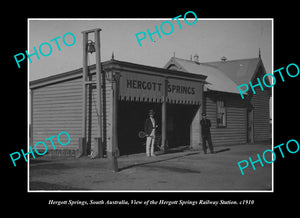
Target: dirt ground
{"points": [[178, 170]]}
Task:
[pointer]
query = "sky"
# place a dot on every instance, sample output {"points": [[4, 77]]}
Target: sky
{"points": [[210, 39]]}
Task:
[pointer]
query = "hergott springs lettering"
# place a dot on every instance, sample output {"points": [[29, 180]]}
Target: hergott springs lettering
{"points": [[156, 86]]}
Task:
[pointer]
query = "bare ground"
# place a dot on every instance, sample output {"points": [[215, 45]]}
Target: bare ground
{"points": [[184, 170]]}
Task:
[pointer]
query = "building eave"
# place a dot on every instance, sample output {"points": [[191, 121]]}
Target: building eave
{"points": [[117, 66]]}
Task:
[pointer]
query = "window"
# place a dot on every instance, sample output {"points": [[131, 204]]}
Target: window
{"points": [[221, 114]]}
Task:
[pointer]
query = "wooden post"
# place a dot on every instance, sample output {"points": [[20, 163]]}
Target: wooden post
{"points": [[85, 83], [99, 142], [114, 153], [82, 140], [164, 116], [202, 110]]}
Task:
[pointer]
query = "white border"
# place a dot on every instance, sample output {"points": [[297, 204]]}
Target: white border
{"points": [[145, 191]]}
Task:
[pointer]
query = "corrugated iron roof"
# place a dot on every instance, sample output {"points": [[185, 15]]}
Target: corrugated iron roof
{"points": [[239, 71], [222, 76]]}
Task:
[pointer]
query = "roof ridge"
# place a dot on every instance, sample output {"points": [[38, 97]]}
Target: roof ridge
{"points": [[183, 59], [220, 61], [193, 62], [243, 59], [217, 71]]}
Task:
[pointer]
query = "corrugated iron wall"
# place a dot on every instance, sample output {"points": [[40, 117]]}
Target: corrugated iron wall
{"points": [[55, 108]]}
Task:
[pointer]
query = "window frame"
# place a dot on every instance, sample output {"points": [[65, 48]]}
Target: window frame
{"points": [[219, 124]]}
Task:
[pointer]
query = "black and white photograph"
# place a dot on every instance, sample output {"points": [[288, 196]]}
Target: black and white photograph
{"points": [[162, 113], [184, 107]]}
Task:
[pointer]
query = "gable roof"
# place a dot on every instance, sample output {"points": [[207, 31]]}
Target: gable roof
{"points": [[222, 76], [240, 71]]}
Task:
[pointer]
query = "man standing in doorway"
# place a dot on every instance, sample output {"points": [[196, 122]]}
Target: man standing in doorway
{"points": [[150, 134], [205, 132]]}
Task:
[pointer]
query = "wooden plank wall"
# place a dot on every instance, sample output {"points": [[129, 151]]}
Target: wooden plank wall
{"points": [[57, 108], [236, 130], [261, 114]]}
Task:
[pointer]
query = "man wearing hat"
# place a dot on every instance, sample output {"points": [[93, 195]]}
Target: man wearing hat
{"points": [[149, 128], [205, 132]]}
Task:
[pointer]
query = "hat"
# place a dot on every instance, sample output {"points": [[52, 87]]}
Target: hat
{"points": [[151, 112], [203, 114]]}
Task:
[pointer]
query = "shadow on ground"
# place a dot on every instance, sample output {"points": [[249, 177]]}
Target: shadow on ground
{"points": [[156, 161], [170, 151]]}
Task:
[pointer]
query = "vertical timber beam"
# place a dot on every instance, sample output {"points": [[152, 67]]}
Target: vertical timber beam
{"points": [[114, 149], [99, 136], [82, 140], [164, 117], [202, 110]]}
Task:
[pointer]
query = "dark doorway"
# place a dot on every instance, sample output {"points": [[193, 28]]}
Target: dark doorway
{"points": [[131, 118], [179, 119]]}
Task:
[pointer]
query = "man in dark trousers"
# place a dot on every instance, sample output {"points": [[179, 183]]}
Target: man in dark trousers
{"points": [[149, 128], [205, 132]]}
